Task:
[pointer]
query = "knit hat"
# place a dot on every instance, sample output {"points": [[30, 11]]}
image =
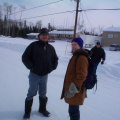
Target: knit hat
{"points": [[43, 31], [79, 41]]}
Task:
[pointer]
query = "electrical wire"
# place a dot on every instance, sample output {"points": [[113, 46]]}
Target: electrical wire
{"points": [[97, 9], [49, 14], [86, 16], [36, 7]]}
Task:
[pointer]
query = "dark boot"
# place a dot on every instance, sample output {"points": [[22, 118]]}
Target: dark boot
{"points": [[42, 107], [28, 105]]}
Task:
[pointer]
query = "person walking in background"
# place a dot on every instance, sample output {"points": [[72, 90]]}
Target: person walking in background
{"points": [[74, 91], [41, 59], [98, 53]]}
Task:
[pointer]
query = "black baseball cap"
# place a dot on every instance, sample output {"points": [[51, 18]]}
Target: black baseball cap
{"points": [[98, 43], [43, 31]]}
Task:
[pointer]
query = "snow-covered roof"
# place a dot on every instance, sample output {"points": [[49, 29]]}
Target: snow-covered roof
{"points": [[62, 32], [55, 32], [33, 34], [112, 29]]}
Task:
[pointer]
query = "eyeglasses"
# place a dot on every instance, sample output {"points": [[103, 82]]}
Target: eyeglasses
{"points": [[74, 44]]}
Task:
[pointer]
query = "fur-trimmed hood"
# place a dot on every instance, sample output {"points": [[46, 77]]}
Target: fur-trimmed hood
{"points": [[85, 52]]}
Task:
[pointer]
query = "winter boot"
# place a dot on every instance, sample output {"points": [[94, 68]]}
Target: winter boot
{"points": [[28, 105], [42, 107]]}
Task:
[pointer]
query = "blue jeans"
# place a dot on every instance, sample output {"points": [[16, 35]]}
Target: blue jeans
{"points": [[74, 112], [95, 67], [37, 83]]}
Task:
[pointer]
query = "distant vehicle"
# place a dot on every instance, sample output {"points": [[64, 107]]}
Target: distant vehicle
{"points": [[114, 47]]}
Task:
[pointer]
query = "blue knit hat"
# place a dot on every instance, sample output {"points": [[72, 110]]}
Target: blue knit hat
{"points": [[79, 41]]}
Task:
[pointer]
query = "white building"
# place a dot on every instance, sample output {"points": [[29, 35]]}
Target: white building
{"points": [[90, 40], [32, 36], [63, 34]]}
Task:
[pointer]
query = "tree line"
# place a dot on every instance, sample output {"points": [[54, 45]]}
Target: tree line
{"points": [[19, 28], [16, 28]]}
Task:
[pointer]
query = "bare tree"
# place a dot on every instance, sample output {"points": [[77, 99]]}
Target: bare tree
{"points": [[100, 29], [9, 17], [7, 13], [1, 14], [25, 24], [22, 8], [92, 31], [14, 22], [5, 25], [31, 24], [1, 19], [80, 26], [39, 25]]}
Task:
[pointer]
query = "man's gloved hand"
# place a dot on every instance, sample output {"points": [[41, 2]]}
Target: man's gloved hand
{"points": [[102, 62]]}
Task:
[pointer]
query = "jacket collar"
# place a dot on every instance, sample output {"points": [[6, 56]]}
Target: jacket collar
{"points": [[81, 51], [42, 43]]}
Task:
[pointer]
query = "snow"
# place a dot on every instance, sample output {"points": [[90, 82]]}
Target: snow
{"points": [[112, 29], [33, 34], [55, 32], [104, 104], [61, 32]]}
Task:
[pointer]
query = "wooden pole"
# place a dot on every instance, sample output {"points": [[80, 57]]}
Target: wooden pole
{"points": [[76, 19]]}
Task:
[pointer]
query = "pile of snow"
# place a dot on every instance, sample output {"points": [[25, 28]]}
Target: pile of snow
{"points": [[103, 105]]}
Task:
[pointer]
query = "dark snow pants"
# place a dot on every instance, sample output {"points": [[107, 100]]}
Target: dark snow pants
{"points": [[74, 112], [37, 84]]}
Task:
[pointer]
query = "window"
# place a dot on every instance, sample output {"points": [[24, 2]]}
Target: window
{"points": [[110, 35]]}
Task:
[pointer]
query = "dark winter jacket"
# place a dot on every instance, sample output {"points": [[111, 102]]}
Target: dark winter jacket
{"points": [[40, 58], [77, 75], [98, 54]]}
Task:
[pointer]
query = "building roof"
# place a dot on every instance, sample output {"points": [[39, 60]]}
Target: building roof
{"points": [[62, 32], [55, 32], [33, 34], [112, 29]]}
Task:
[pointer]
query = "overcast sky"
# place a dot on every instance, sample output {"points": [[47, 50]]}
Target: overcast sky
{"points": [[89, 19]]}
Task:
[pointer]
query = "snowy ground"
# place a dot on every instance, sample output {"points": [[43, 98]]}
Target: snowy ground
{"points": [[103, 105]]}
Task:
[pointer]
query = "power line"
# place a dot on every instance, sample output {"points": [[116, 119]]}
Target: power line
{"points": [[84, 10], [69, 3], [87, 17], [37, 7], [94, 9], [97, 9], [49, 14]]}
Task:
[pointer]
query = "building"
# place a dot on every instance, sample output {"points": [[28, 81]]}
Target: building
{"points": [[90, 40], [58, 34], [63, 34], [111, 36], [32, 36]]}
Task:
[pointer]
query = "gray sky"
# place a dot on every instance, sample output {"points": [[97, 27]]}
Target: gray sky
{"points": [[89, 19]]}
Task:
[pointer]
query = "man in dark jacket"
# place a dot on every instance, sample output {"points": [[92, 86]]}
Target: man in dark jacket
{"points": [[98, 54], [41, 59]]}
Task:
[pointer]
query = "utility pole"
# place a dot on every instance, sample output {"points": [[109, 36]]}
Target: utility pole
{"points": [[76, 19]]}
